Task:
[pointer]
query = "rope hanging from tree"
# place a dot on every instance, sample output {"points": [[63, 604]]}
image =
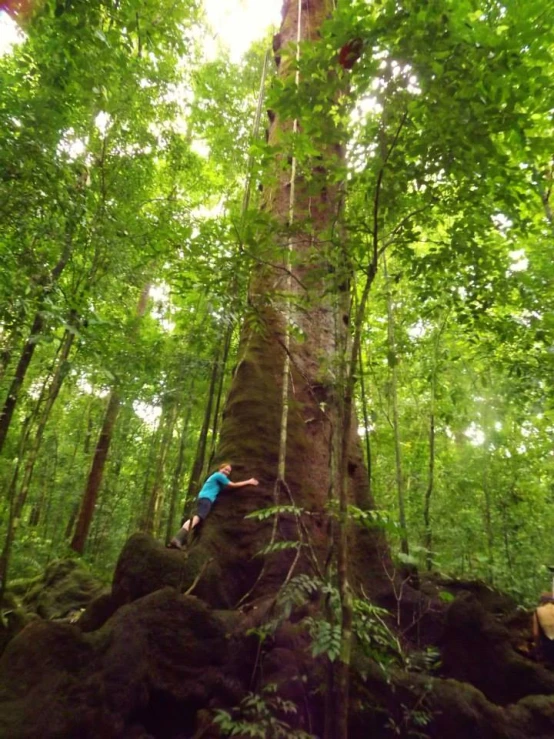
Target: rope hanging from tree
{"points": [[255, 133], [281, 468]]}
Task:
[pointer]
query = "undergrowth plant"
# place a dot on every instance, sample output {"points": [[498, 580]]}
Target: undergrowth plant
{"points": [[261, 716]]}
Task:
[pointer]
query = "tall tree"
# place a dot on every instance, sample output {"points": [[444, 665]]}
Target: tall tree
{"points": [[285, 419]]}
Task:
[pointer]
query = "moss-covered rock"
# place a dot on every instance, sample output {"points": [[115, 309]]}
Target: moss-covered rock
{"points": [[145, 566], [477, 649], [150, 662], [492, 600], [149, 669], [66, 585], [458, 710], [407, 704], [99, 611], [12, 619]]}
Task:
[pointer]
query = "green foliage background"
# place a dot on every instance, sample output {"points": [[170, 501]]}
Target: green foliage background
{"points": [[125, 153]]}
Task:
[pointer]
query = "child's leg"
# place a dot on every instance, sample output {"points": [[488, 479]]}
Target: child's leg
{"points": [[191, 523], [179, 538]]}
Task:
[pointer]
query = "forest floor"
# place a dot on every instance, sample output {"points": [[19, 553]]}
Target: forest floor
{"points": [[148, 660]]}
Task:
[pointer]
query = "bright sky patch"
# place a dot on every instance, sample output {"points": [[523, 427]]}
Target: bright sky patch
{"points": [[237, 23]]}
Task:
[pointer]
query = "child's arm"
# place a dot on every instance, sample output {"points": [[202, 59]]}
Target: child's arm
{"points": [[244, 483]]}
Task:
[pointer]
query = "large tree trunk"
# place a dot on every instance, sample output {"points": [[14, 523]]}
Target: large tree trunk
{"points": [[251, 427]]}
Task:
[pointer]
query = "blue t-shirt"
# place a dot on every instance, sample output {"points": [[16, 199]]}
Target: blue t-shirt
{"points": [[213, 486]]}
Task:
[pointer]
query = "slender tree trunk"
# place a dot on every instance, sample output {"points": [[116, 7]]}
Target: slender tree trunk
{"points": [[488, 524], [428, 537], [142, 522], [544, 183], [393, 365], [178, 474], [8, 542], [47, 486], [37, 328], [10, 339], [50, 475], [488, 422], [109, 492], [23, 445], [74, 508], [226, 347], [366, 421], [71, 521], [428, 533], [506, 534], [51, 396], [155, 497], [158, 496], [88, 434], [7, 411], [101, 452], [198, 466], [96, 473]]}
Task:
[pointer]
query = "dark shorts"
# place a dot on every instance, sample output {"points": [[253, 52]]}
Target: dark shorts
{"points": [[546, 648], [203, 508]]}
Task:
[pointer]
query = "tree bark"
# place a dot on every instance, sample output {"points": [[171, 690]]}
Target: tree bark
{"points": [[366, 422], [149, 474], [226, 347], [178, 474], [428, 536], [251, 425], [295, 353], [155, 500], [393, 365], [200, 457], [96, 473], [8, 542], [37, 328], [71, 521], [12, 397], [51, 396]]}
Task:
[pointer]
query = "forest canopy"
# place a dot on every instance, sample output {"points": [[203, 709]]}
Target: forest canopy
{"points": [[134, 172]]}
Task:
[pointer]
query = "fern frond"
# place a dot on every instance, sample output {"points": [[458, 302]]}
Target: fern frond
{"points": [[264, 513]]}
